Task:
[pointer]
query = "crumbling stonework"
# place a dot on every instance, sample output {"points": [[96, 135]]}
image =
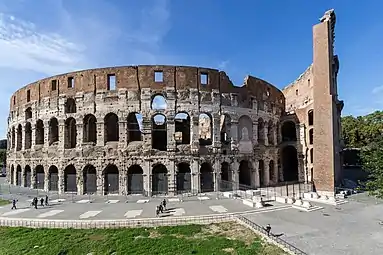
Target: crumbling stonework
{"points": [[100, 131]]}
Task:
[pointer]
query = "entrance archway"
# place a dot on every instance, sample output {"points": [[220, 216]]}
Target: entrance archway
{"points": [[135, 180], [70, 179], [183, 178], [159, 180], [12, 175], [226, 179], [18, 175], [111, 180], [27, 176], [53, 179], [244, 175], [261, 173], [40, 177], [90, 179], [290, 164], [206, 178]]}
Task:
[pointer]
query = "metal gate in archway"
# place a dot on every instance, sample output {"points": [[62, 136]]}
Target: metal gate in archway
{"points": [[40, 179], [135, 184], [160, 183], [183, 182], [90, 181], [111, 184], [53, 181], [18, 177], [27, 176], [207, 181]]}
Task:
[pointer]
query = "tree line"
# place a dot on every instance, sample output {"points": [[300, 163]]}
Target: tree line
{"points": [[365, 134]]}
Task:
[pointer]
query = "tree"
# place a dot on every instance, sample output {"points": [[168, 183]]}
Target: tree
{"points": [[372, 161]]}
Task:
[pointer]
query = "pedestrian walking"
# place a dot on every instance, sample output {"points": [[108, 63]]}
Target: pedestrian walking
{"points": [[14, 201], [46, 200], [35, 202], [164, 204], [42, 201], [161, 208], [268, 229], [157, 211]]}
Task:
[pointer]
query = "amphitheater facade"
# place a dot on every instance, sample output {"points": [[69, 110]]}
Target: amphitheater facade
{"points": [[170, 129]]}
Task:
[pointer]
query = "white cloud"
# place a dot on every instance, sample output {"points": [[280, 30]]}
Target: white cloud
{"points": [[377, 90]]}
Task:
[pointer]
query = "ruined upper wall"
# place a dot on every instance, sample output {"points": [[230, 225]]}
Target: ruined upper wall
{"points": [[141, 77]]}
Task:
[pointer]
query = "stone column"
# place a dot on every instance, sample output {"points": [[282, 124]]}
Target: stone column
{"points": [[123, 135], [61, 179], [300, 132], [265, 133], [46, 134], [255, 133], [33, 127], [256, 175], [79, 131], [195, 185], [23, 137], [170, 127], [217, 175], [275, 134], [194, 135], [234, 134], [147, 177], [100, 132], [100, 178], [172, 188], [267, 172], [61, 137], [216, 132], [46, 178], [235, 177], [147, 131]]}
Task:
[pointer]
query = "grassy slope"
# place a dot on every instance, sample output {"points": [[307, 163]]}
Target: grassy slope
{"points": [[227, 238], [3, 202]]}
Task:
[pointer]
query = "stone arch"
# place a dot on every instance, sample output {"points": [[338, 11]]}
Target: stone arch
{"points": [[261, 165], [19, 137], [53, 130], [12, 179], [53, 178], [28, 136], [272, 176], [39, 177], [311, 136], [261, 131], [183, 178], [18, 175], [226, 177], [159, 179], [310, 117], [70, 105], [111, 128], [39, 135], [182, 128], [290, 163], [111, 180], [90, 129], [206, 177], [27, 176], [89, 175], [70, 137], [245, 175], [159, 132], [225, 129], [158, 102], [135, 180], [270, 133], [28, 113], [289, 132], [134, 127], [13, 137], [70, 179], [205, 130]]}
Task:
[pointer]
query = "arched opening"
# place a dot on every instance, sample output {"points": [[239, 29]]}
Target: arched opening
{"points": [[205, 129], [290, 164], [310, 116], [311, 136], [70, 179], [39, 136], [183, 178], [206, 178], [245, 134], [111, 128], [261, 132], [134, 127], [19, 137], [270, 133], [135, 180], [159, 132], [12, 175], [28, 113], [111, 180], [28, 136], [158, 102], [90, 179], [244, 175], [225, 129], [70, 105], [311, 155], [70, 133], [27, 176], [53, 178], [53, 131], [261, 166], [272, 176], [40, 177], [18, 175], [90, 129], [226, 179], [13, 137], [289, 132], [182, 128], [159, 179]]}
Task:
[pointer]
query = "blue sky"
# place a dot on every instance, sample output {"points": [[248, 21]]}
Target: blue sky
{"points": [[270, 39]]}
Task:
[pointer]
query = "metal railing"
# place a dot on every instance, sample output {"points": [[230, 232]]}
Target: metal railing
{"points": [[276, 239]]}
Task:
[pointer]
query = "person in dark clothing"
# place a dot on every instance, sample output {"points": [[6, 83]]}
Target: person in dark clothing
{"points": [[14, 204], [161, 208], [35, 202], [46, 199], [268, 229], [42, 201], [164, 204], [157, 211]]}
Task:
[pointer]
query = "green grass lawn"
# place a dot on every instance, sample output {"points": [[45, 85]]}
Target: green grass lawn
{"points": [[225, 238], [4, 202]]}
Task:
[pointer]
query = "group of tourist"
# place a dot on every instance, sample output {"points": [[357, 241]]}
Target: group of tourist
{"points": [[35, 201], [161, 208]]}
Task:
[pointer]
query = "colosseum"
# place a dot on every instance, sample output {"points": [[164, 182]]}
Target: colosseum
{"points": [[172, 129]]}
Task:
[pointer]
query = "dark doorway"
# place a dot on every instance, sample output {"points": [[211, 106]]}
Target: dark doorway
{"points": [[289, 132], [206, 178], [135, 180], [290, 164], [12, 174], [27, 176], [226, 179], [244, 175], [134, 131], [53, 178], [159, 180], [90, 179], [40, 177], [18, 175], [159, 132], [183, 178], [70, 179], [261, 173], [272, 176], [111, 180]]}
